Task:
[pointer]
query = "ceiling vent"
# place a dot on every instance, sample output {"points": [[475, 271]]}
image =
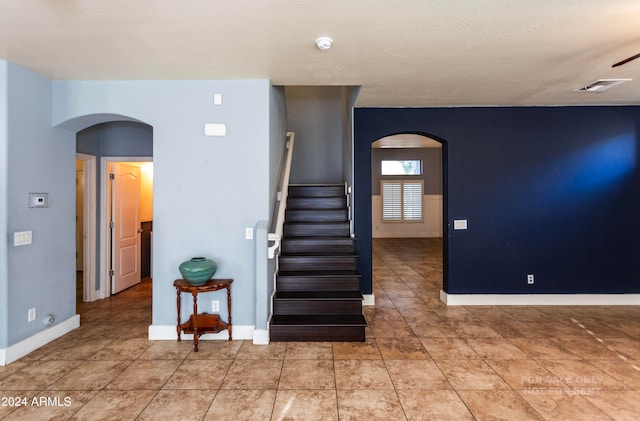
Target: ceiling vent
{"points": [[602, 85]]}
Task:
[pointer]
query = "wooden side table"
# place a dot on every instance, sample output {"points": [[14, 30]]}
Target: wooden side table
{"points": [[202, 323]]}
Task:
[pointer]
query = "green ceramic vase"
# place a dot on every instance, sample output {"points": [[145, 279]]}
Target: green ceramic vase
{"points": [[198, 270]]}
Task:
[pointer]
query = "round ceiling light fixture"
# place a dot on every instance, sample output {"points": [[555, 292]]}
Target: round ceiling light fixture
{"points": [[323, 43]]}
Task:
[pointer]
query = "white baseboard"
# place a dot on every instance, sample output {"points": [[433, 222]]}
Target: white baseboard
{"points": [[539, 299], [169, 333], [260, 337], [368, 300], [26, 346]]}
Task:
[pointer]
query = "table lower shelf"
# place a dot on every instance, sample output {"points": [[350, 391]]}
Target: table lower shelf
{"points": [[205, 323], [202, 324]]}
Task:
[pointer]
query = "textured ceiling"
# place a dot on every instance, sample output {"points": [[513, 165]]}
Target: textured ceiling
{"points": [[402, 53]]}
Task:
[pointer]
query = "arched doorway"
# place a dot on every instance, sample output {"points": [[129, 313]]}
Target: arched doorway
{"points": [[115, 142], [363, 195], [100, 140], [406, 213], [408, 167]]}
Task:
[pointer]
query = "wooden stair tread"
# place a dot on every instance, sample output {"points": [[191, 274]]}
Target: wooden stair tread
{"points": [[320, 239], [314, 223], [316, 185], [320, 273], [321, 253], [319, 295], [314, 254]]}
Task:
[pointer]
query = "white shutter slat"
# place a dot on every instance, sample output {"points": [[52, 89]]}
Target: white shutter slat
{"points": [[412, 201], [392, 201]]}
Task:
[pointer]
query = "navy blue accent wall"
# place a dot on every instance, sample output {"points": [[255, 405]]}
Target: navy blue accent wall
{"points": [[549, 191]]}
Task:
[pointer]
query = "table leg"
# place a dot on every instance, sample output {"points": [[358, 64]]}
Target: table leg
{"points": [[196, 337], [178, 328], [229, 328]]}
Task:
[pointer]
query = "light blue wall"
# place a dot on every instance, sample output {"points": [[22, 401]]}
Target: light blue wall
{"points": [[116, 138], [207, 190], [4, 141], [39, 159], [265, 268], [315, 114], [278, 126], [349, 96]]}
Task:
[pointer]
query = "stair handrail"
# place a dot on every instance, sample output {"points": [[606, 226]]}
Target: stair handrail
{"points": [[281, 198]]}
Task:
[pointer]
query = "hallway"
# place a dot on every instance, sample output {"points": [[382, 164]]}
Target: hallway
{"points": [[422, 360]]}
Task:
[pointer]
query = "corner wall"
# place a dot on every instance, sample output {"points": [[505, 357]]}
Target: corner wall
{"points": [[314, 113], [207, 190], [4, 144], [40, 159]]}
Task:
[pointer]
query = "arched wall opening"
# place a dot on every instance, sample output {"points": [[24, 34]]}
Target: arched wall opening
{"points": [[402, 166], [364, 145], [103, 139]]}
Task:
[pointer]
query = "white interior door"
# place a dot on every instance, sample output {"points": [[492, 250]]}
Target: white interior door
{"points": [[125, 214], [80, 234]]}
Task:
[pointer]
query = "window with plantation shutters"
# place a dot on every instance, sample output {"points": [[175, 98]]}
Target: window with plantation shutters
{"points": [[402, 201]]}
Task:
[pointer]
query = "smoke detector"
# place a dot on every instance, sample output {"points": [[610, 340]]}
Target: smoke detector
{"points": [[602, 85], [323, 43]]}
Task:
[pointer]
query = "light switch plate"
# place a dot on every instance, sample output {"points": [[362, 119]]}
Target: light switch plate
{"points": [[460, 224], [22, 238]]}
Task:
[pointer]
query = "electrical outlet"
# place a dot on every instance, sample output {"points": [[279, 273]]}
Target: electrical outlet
{"points": [[215, 306], [31, 316], [248, 233], [530, 279]]}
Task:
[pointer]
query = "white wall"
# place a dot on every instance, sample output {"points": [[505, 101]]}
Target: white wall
{"points": [[207, 190], [430, 227]]}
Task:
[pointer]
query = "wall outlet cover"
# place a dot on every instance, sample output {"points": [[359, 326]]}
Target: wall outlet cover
{"points": [[31, 315], [38, 200]]}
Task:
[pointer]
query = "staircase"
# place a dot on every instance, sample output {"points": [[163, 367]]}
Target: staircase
{"points": [[317, 294]]}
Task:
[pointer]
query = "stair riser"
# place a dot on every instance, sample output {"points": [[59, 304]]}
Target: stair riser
{"points": [[319, 230], [286, 283], [316, 191], [316, 203], [316, 307], [317, 246], [317, 334], [324, 215], [292, 264]]}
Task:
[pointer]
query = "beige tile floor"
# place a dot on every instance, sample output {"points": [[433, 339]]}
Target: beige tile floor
{"points": [[421, 361]]}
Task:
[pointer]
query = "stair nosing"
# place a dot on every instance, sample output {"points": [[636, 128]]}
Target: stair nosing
{"points": [[320, 273], [318, 295]]}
